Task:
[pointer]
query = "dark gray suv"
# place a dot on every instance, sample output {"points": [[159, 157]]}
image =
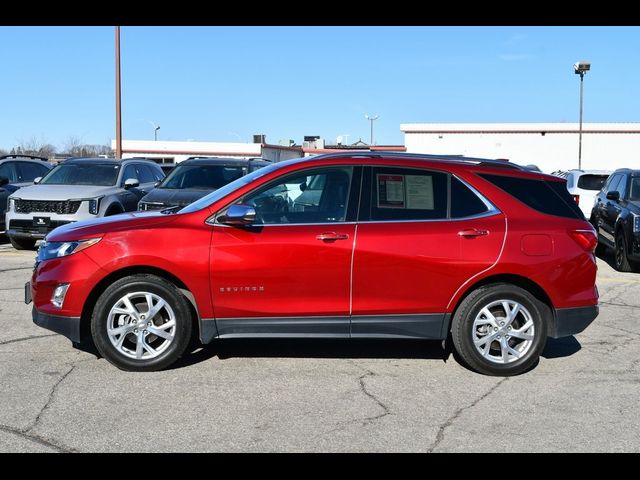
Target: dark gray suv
{"points": [[18, 171], [78, 189], [196, 177]]}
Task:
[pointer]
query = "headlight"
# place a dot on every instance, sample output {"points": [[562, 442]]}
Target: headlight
{"points": [[636, 223], [12, 204], [94, 206], [142, 206], [49, 250]]}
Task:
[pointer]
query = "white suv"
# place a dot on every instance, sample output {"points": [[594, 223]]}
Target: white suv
{"points": [[584, 185]]}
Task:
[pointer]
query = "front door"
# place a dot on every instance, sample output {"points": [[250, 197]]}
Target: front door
{"points": [[289, 273]]}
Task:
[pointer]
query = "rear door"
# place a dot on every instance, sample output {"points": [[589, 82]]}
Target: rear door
{"points": [[415, 248]]}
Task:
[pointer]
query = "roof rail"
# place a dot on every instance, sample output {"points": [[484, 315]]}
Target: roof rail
{"points": [[24, 155], [425, 156]]}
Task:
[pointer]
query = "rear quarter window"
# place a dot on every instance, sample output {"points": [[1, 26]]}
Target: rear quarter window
{"points": [[545, 196]]}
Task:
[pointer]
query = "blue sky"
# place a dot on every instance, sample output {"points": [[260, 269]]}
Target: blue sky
{"points": [[227, 83]]}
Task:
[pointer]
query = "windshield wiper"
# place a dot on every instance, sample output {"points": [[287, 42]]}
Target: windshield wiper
{"points": [[170, 210]]}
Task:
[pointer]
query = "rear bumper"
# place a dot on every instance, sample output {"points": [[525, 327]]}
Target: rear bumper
{"points": [[67, 326], [570, 321]]}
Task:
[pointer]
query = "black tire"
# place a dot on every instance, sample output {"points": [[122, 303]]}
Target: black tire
{"points": [[462, 330], [23, 243], [620, 259], [113, 211], [177, 304]]}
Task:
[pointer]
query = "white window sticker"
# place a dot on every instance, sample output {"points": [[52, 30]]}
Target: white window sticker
{"points": [[419, 192], [390, 191]]}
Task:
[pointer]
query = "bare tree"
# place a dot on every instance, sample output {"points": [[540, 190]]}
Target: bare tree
{"points": [[73, 146], [33, 146]]}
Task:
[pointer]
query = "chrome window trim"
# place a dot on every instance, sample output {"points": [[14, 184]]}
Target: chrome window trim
{"points": [[491, 208]]}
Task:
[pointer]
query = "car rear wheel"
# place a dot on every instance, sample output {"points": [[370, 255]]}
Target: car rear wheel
{"points": [[23, 243], [500, 329], [622, 263], [141, 323]]}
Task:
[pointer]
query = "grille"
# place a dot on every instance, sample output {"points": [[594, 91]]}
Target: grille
{"points": [[48, 206], [27, 226]]}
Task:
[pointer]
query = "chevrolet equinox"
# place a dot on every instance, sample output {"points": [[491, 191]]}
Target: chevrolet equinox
{"points": [[334, 246]]}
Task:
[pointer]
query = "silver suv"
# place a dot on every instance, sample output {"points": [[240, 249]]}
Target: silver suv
{"points": [[78, 189]]}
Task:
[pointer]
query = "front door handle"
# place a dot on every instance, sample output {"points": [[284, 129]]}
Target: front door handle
{"points": [[332, 236], [473, 232]]}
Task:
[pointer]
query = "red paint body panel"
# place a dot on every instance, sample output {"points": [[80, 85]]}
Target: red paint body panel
{"points": [[416, 267], [294, 273]]}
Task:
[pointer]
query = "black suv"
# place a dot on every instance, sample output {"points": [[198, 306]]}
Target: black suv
{"points": [[18, 171], [196, 177], [616, 218]]}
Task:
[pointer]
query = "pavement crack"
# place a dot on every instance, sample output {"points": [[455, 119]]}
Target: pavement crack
{"points": [[616, 304], [24, 339], [52, 396], [630, 332], [363, 389], [458, 412], [38, 439], [15, 269]]}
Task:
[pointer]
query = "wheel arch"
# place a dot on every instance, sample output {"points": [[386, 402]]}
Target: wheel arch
{"points": [[92, 298], [114, 208], [519, 281]]}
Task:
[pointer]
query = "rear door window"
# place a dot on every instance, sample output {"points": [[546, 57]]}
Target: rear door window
{"points": [[408, 194]]}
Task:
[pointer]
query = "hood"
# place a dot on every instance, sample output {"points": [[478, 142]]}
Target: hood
{"points": [[62, 192], [171, 197], [116, 223]]}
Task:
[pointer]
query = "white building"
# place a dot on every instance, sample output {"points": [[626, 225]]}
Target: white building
{"points": [[171, 151], [550, 146]]}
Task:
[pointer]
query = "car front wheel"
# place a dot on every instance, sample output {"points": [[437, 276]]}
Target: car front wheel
{"points": [[622, 263], [141, 323], [22, 243], [500, 329]]}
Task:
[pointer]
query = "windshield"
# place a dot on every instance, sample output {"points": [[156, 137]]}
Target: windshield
{"points": [[203, 177], [99, 174], [592, 182], [228, 188]]}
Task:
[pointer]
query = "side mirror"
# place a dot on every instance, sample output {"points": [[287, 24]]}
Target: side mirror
{"points": [[614, 195], [131, 183], [157, 183], [37, 180], [238, 215], [3, 181]]}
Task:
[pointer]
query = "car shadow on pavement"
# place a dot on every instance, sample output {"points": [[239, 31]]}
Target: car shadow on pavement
{"points": [[317, 348], [561, 347]]}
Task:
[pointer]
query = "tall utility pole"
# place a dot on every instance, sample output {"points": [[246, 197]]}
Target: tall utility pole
{"points": [[118, 110], [580, 68], [372, 119]]}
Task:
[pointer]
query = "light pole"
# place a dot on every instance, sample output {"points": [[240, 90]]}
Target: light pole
{"points": [[580, 68], [372, 119], [118, 111], [155, 130]]}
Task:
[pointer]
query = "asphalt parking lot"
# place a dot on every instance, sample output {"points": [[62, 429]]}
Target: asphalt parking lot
{"points": [[312, 396]]}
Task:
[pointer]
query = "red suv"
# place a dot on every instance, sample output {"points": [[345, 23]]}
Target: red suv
{"points": [[335, 246]]}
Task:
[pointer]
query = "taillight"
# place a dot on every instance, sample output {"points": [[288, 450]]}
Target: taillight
{"points": [[576, 198], [587, 239]]}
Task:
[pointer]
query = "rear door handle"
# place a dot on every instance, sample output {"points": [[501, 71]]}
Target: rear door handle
{"points": [[473, 232], [332, 236]]}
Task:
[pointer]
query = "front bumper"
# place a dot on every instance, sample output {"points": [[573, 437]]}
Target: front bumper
{"points": [[67, 326], [569, 321], [27, 228]]}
